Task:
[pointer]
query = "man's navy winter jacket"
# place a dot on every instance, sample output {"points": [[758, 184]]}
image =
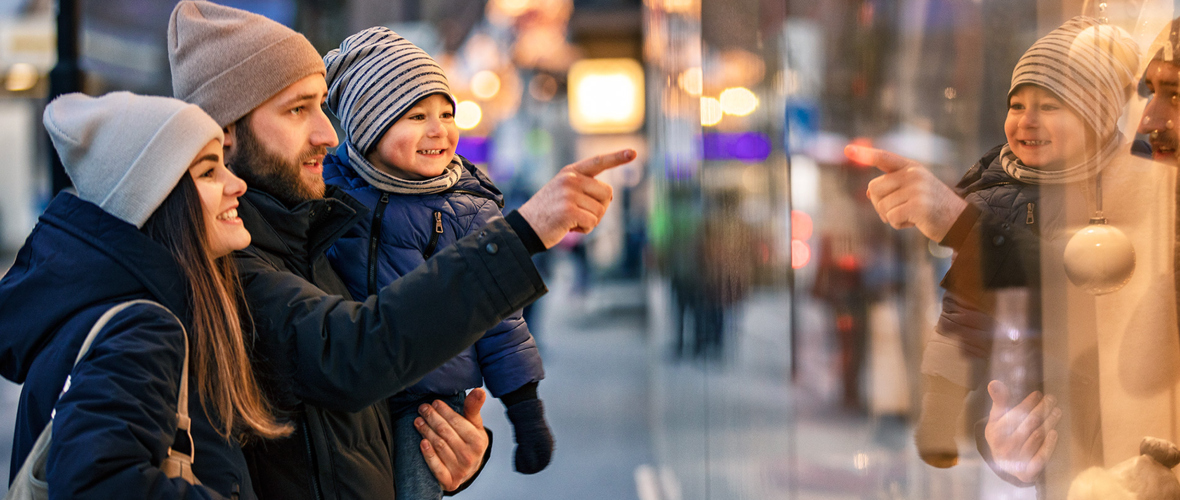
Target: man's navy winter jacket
{"points": [[406, 230]]}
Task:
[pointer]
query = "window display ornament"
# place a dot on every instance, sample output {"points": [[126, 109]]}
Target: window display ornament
{"points": [[1099, 258], [1147, 476]]}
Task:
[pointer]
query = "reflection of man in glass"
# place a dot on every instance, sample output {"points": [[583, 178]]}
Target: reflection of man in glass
{"points": [[1161, 80]]}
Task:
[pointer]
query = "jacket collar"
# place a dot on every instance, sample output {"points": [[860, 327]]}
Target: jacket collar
{"points": [[303, 232]]}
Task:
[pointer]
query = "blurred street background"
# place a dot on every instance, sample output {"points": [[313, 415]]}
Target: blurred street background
{"points": [[741, 325]]}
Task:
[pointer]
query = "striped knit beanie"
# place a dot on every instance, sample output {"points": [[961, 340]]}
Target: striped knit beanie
{"points": [[1090, 67], [229, 61], [373, 78]]}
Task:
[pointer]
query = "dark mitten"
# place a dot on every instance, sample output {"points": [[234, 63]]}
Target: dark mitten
{"points": [[534, 441]]}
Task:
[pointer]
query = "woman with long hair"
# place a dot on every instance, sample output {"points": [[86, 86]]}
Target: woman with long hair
{"points": [[154, 218]]}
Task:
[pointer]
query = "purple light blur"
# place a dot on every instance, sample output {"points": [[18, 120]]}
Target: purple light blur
{"points": [[475, 149], [749, 147]]}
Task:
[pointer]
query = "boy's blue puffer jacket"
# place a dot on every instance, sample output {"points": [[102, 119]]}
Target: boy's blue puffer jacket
{"points": [[506, 357]]}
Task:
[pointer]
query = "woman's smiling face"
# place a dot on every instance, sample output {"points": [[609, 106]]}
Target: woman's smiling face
{"points": [[219, 190], [1042, 131]]}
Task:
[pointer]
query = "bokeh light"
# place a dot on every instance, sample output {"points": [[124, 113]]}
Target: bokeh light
{"points": [[710, 111], [800, 254], [21, 77], [691, 81], [738, 101], [468, 115], [512, 7], [801, 226], [485, 84], [606, 96]]}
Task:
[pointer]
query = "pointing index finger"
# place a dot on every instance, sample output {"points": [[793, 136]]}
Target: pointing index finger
{"points": [[883, 160], [596, 165]]}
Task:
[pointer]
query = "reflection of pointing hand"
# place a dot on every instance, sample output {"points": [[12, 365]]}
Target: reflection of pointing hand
{"points": [[1021, 438], [908, 194], [885, 161], [573, 200]]}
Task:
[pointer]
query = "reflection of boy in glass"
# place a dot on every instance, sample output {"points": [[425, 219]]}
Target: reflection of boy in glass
{"points": [[1068, 91], [993, 253]]}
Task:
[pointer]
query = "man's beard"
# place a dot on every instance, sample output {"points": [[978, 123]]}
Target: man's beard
{"points": [[273, 174]]}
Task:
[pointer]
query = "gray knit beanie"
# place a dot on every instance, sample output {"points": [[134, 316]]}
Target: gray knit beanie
{"points": [[1088, 65], [126, 152], [229, 61], [373, 78]]}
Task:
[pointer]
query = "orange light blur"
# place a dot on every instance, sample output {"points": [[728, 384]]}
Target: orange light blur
{"points": [[800, 254], [801, 226]]}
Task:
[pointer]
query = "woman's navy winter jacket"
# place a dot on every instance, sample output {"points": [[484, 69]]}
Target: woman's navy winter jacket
{"points": [[409, 229], [114, 425]]}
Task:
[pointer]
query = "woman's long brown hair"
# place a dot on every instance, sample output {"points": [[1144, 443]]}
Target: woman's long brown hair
{"points": [[218, 357]]}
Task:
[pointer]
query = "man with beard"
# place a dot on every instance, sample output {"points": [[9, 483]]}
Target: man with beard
{"points": [[1161, 79], [328, 361]]}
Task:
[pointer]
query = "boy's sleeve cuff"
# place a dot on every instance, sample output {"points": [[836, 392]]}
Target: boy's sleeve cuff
{"points": [[961, 228], [524, 393], [531, 241]]}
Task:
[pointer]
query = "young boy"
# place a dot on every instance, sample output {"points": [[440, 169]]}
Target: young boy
{"points": [[398, 158]]}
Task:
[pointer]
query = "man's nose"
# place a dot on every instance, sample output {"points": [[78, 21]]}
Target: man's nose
{"points": [[1155, 116], [322, 133]]}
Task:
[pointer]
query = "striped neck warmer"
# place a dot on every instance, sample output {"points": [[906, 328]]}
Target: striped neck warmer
{"points": [[1082, 171], [390, 184]]}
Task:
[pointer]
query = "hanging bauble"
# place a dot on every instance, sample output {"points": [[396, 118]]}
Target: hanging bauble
{"points": [[1099, 258]]}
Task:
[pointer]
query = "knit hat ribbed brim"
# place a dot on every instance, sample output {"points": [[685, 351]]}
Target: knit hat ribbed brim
{"points": [[1088, 65], [229, 61], [373, 78], [126, 152]]}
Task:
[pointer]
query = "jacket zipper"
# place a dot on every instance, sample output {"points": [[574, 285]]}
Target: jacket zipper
{"points": [[1029, 219], [438, 230], [374, 239], [315, 479]]}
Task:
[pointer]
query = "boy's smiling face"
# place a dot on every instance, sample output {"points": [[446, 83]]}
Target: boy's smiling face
{"points": [[1043, 132], [421, 143]]}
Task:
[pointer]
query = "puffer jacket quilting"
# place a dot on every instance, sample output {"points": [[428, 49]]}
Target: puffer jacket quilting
{"points": [[506, 357]]}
